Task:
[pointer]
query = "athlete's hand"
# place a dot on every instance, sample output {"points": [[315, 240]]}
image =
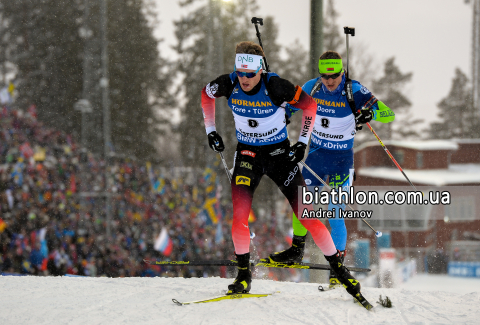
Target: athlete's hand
{"points": [[215, 142], [363, 116], [297, 152]]}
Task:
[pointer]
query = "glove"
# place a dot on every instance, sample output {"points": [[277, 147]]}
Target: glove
{"points": [[364, 116], [297, 152], [215, 142], [287, 119]]}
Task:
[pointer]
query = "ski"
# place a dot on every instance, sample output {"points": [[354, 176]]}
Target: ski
{"points": [[264, 262], [224, 297], [194, 263], [359, 299], [323, 289]]}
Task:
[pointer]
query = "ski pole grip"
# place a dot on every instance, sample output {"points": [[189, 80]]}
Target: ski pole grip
{"points": [[256, 20], [349, 30]]}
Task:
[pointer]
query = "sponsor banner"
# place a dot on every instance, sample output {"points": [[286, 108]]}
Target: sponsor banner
{"points": [[244, 164], [291, 176], [279, 137], [211, 89], [248, 153], [464, 269], [242, 180], [277, 152], [332, 145]]}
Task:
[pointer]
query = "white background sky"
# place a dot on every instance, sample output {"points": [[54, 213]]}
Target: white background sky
{"points": [[427, 37]]}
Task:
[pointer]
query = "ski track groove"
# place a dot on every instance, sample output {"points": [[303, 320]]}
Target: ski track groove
{"points": [[402, 314], [431, 308], [348, 316], [327, 317], [324, 313]]}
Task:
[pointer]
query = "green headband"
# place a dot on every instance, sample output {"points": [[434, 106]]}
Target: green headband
{"points": [[330, 66]]}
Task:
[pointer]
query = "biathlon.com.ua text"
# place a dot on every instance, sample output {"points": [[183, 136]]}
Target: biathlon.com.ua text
{"points": [[339, 195]]}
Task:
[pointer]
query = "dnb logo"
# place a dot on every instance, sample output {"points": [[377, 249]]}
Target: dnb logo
{"points": [[252, 123], [242, 180]]}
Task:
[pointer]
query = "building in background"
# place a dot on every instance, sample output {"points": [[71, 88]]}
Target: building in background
{"points": [[438, 232]]}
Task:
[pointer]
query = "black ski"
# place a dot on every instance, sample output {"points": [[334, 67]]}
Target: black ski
{"points": [[264, 262], [358, 298]]}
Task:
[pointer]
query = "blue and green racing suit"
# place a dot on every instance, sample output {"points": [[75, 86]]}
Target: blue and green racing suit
{"points": [[331, 147]]}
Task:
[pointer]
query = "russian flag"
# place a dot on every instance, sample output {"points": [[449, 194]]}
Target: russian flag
{"points": [[163, 243]]}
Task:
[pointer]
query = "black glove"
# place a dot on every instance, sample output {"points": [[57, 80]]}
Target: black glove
{"points": [[297, 152], [364, 116], [287, 120], [215, 142]]}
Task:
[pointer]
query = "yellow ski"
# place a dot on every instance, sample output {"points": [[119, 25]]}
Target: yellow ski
{"points": [[224, 297]]}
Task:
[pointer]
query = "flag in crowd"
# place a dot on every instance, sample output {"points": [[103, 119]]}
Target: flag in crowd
{"points": [[163, 243], [158, 184], [6, 94], [3, 225]]}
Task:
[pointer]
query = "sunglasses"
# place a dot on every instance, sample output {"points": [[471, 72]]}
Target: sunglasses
{"points": [[332, 76], [246, 74]]}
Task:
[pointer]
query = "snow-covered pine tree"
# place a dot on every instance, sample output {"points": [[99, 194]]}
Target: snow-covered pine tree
{"points": [[457, 118]]}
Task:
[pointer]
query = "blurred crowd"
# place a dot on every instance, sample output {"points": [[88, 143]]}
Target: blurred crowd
{"points": [[53, 218]]}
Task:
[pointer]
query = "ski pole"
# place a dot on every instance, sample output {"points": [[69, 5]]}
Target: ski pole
{"points": [[377, 233], [348, 31], [257, 21], [349, 93], [226, 167], [390, 155]]}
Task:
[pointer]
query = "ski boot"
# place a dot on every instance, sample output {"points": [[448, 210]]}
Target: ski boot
{"points": [[334, 283], [342, 274], [243, 281], [293, 254], [348, 281]]}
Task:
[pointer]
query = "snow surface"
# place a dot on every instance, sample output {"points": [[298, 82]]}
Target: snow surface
{"points": [[82, 300]]}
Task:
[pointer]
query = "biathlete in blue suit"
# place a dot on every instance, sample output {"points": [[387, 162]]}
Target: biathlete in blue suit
{"points": [[331, 146]]}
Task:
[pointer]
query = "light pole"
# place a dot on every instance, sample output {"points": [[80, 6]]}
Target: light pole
{"points": [[316, 49], [316, 35], [104, 84], [476, 56]]}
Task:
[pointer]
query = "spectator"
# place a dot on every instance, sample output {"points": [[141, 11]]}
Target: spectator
{"points": [[41, 191]]}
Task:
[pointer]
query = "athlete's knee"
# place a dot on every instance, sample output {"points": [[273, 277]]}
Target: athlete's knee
{"points": [[336, 223]]}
